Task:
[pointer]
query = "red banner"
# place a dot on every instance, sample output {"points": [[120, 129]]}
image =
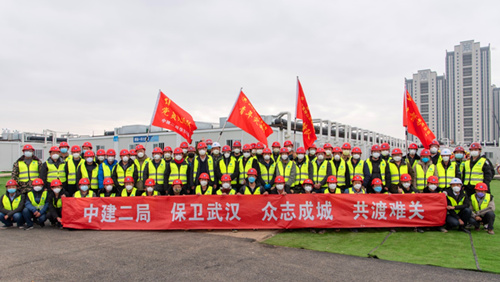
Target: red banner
{"points": [[415, 122], [170, 116], [303, 113], [254, 212]]}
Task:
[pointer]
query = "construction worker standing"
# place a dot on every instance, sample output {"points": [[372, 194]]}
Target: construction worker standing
{"points": [[412, 156], [424, 168], [178, 169], [101, 156], [168, 154], [245, 163], [53, 168], [374, 167], [73, 162], [89, 169], [396, 167], [459, 158], [312, 152], [267, 169], [346, 151], [355, 163], [227, 165], [87, 146], [215, 153], [64, 148], [106, 168], [385, 149], [203, 163], [12, 205], [125, 167], [237, 149], [286, 168], [319, 170], [434, 149], [157, 170], [36, 205], [276, 146], [446, 170], [26, 169], [141, 162], [340, 169], [477, 169], [302, 166]]}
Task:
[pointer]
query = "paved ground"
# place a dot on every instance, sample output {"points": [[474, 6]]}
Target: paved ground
{"points": [[61, 255]]}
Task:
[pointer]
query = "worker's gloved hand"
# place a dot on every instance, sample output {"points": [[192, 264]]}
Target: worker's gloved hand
{"points": [[267, 186]]}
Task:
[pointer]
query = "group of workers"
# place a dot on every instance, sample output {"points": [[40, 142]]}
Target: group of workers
{"points": [[34, 193]]}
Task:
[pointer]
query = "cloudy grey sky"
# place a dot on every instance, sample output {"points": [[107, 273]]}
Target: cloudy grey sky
{"points": [[90, 66]]}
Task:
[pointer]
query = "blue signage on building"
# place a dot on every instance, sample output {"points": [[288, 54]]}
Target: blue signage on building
{"points": [[142, 139]]}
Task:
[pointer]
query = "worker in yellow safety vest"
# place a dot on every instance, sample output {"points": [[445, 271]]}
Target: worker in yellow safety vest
{"points": [[83, 189], [73, 162], [53, 168], [89, 169], [54, 198], [109, 188], [302, 170], [483, 208], [424, 168], [477, 169], [178, 169], [125, 167], [319, 170], [251, 186], [204, 188], [226, 188], [36, 205], [396, 167], [12, 205], [158, 170], [446, 170], [150, 188], [357, 186], [26, 168], [458, 206], [107, 167], [332, 186], [130, 190]]}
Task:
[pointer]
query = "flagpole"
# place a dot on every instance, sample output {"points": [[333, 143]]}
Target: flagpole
{"points": [[405, 117], [234, 105], [296, 103], [153, 116]]}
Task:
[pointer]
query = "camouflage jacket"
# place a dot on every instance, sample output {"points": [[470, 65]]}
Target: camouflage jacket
{"points": [[25, 187]]}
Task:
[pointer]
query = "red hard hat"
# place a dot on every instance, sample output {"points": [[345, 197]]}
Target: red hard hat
{"points": [[375, 147], [157, 150], [313, 145], [259, 145], [84, 181], [177, 182], [101, 152], [357, 178], [201, 145], [55, 183], [413, 146], [110, 152], [178, 150], [337, 150], [396, 151], [433, 179], [405, 177], [287, 143], [346, 146], [28, 147], [225, 178], [247, 147], [434, 142], [307, 181], [276, 144], [11, 182], [133, 152], [331, 179], [475, 145], [167, 149], [459, 149], [108, 181], [128, 179], [184, 145], [356, 150], [376, 181], [327, 145], [279, 179], [87, 144], [284, 150], [37, 181], [425, 152], [226, 148], [301, 150], [54, 149], [63, 144], [236, 144], [252, 171], [267, 151], [320, 150], [124, 152], [204, 176], [139, 147], [150, 182], [252, 145], [191, 149], [481, 187], [385, 146], [209, 141], [89, 153]]}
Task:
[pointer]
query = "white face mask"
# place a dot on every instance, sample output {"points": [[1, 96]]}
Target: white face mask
{"points": [[157, 157], [28, 154], [321, 157], [434, 150], [385, 153], [89, 159], [300, 156], [346, 152], [227, 155], [202, 152], [413, 151], [246, 154], [474, 153], [203, 183], [357, 186], [312, 152], [226, 185], [132, 158], [332, 186], [397, 158], [140, 154], [276, 150], [432, 187], [237, 151], [328, 152], [84, 188], [259, 151], [129, 187], [55, 157], [184, 151], [167, 155], [76, 156], [37, 188], [376, 155], [56, 190], [215, 152], [267, 157], [125, 159], [356, 157], [111, 159], [284, 157], [308, 188], [456, 189], [280, 186], [109, 188], [100, 158], [406, 184], [178, 157], [446, 158], [337, 157], [149, 189]]}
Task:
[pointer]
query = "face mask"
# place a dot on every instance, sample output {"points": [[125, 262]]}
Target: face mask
{"points": [[432, 187], [64, 150], [276, 150], [332, 186], [227, 155], [111, 159], [76, 156], [202, 152], [55, 157], [203, 183], [12, 190], [456, 189], [312, 152], [397, 158], [177, 190], [191, 155], [215, 152], [84, 188], [56, 190], [290, 149], [132, 158], [237, 151], [251, 179], [474, 153], [376, 155], [157, 157], [267, 157], [109, 188], [37, 188], [178, 157], [446, 158], [406, 185], [280, 186], [413, 152], [125, 159], [100, 158], [434, 150], [321, 157], [357, 186], [167, 155], [209, 147], [140, 154], [459, 156], [356, 157], [385, 153], [259, 152], [184, 151], [246, 154], [300, 156], [308, 188], [346, 152], [377, 189], [480, 194], [337, 157], [284, 157], [84, 150], [89, 159], [129, 187], [28, 154], [149, 189], [425, 159], [328, 152], [226, 185]]}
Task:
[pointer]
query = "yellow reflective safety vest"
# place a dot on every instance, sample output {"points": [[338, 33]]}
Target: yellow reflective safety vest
{"points": [[302, 172], [176, 173], [475, 175], [125, 194], [232, 192], [71, 177], [446, 175], [337, 191], [396, 171], [106, 171], [256, 191], [352, 191], [382, 167], [121, 174], [78, 194], [210, 162], [198, 190], [244, 170], [55, 172], [155, 193], [28, 173], [102, 195], [158, 174], [484, 203], [229, 168], [454, 202], [94, 181], [339, 172], [57, 203], [11, 206], [31, 197], [358, 169], [319, 173], [423, 176], [286, 171], [267, 174], [140, 168]]}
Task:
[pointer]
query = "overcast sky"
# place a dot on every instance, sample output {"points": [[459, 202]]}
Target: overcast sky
{"points": [[90, 66]]}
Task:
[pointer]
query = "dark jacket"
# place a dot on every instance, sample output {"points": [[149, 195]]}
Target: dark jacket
{"points": [[114, 174], [20, 208], [257, 187], [458, 198]]}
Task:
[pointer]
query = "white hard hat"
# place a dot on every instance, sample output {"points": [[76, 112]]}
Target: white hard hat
{"points": [[456, 181], [446, 152], [215, 144]]}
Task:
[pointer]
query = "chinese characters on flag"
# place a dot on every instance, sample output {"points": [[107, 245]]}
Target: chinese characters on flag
{"points": [[308, 131], [248, 119], [172, 117], [415, 123]]}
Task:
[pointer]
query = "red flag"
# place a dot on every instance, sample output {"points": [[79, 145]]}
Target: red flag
{"points": [[247, 118], [170, 116], [416, 124], [303, 113]]}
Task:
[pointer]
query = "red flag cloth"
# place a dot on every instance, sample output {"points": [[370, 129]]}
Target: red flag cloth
{"points": [[303, 113], [254, 211], [172, 117], [247, 118], [416, 124]]}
